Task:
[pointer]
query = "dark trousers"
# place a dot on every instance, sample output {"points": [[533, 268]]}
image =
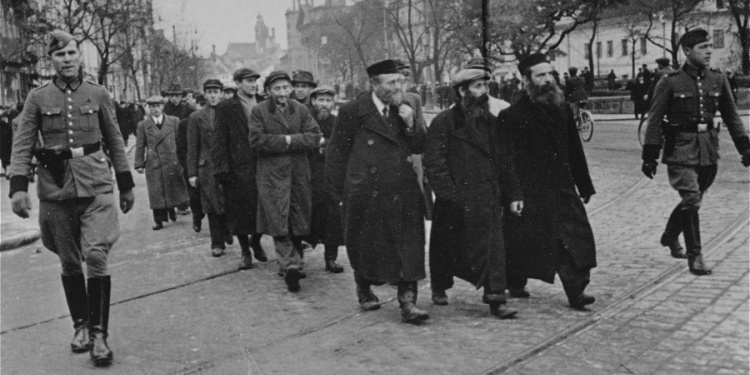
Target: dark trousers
{"points": [[217, 225], [195, 203], [162, 214], [574, 280]]}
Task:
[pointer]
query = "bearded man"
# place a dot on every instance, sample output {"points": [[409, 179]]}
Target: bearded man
{"points": [[467, 163], [552, 233], [368, 166]]}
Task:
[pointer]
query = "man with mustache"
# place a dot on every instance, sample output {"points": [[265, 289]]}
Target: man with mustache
{"points": [[551, 234], [689, 98], [282, 133], [368, 166], [466, 160]]}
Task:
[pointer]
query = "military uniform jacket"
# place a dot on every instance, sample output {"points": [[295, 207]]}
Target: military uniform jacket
{"points": [[688, 97], [70, 116], [156, 151], [199, 143]]}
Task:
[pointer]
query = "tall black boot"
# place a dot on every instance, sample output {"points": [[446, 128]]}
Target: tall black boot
{"points": [[75, 294], [671, 234], [99, 292], [407, 299], [692, 232]]}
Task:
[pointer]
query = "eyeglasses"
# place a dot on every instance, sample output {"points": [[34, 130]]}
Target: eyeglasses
{"points": [[393, 82]]}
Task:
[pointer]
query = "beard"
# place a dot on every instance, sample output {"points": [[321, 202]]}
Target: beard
{"points": [[549, 94], [476, 108], [396, 99], [322, 113]]}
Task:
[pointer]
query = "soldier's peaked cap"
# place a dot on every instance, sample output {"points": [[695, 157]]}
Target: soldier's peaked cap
{"points": [[387, 66], [693, 37], [58, 40]]}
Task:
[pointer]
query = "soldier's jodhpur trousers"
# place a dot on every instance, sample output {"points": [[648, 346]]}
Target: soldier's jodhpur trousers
{"points": [[80, 229], [692, 182]]}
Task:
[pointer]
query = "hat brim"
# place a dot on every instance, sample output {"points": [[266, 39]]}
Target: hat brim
{"points": [[313, 84]]}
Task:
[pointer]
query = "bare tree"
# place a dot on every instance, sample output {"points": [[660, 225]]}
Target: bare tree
{"points": [[635, 30], [674, 12], [363, 32], [408, 19], [740, 10]]}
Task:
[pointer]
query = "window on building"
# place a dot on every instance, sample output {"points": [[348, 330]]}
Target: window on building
{"points": [[644, 42], [718, 39], [586, 50], [624, 47], [598, 50], [610, 48]]}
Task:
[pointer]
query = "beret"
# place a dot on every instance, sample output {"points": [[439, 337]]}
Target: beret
{"points": [[174, 89], [323, 90], [531, 60], [468, 75], [275, 76], [243, 73], [156, 99], [693, 37], [303, 76], [212, 84], [663, 61], [477, 63], [387, 66], [58, 40]]}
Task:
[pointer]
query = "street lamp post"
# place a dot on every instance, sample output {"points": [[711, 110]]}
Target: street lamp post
{"points": [[663, 35]]}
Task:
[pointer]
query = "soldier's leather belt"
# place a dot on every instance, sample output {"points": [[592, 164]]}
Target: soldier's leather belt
{"points": [[71, 153], [693, 128]]}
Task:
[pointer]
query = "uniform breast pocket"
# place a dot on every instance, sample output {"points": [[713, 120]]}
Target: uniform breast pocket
{"points": [[52, 118], [713, 99], [683, 102], [89, 116]]}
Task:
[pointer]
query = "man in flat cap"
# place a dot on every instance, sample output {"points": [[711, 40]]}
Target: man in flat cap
{"points": [[551, 234], [367, 165], [468, 164], [229, 90], [200, 166], [234, 164], [325, 224], [156, 155], [282, 133], [77, 209], [688, 99], [303, 83]]}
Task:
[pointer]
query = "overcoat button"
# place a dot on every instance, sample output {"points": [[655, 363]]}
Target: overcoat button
{"points": [[370, 142], [373, 170], [374, 194]]}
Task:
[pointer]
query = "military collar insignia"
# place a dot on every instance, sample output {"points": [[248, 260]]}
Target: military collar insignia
{"points": [[693, 71], [73, 84]]}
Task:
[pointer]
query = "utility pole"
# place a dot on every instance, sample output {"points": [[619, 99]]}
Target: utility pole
{"points": [[485, 36]]}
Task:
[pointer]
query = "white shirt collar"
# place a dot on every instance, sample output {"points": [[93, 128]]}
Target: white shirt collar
{"points": [[158, 120], [378, 103]]}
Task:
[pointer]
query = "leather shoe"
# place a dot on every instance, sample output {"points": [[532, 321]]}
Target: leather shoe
{"points": [[675, 249], [439, 297], [81, 342], [580, 302], [333, 267], [292, 280], [246, 263], [518, 293], [197, 225], [501, 313], [157, 226], [100, 353], [410, 313], [697, 267], [229, 240], [217, 252], [171, 215], [260, 254], [367, 299]]}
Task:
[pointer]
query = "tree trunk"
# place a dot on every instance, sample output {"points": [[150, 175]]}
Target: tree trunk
{"points": [[745, 42], [594, 30]]}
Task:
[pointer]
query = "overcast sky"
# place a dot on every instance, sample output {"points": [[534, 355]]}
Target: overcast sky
{"points": [[220, 22]]}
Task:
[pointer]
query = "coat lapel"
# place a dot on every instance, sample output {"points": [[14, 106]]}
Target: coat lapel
{"points": [[373, 120], [468, 133]]}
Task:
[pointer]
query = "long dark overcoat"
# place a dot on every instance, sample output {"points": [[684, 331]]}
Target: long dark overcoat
{"points": [[283, 175], [472, 182], [550, 164], [155, 150], [199, 143], [231, 154], [368, 165], [325, 226]]}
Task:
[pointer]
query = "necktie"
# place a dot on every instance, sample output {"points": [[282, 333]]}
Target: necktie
{"points": [[385, 112]]}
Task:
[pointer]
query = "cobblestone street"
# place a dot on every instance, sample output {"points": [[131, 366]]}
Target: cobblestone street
{"points": [[177, 310]]}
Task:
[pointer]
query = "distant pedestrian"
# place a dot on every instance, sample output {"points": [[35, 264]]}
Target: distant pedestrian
{"points": [[6, 138], [156, 155], [639, 96], [77, 211], [552, 234], [611, 80]]}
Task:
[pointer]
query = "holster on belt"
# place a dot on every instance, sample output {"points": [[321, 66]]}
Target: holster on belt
{"points": [[52, 161], [669, 137]]}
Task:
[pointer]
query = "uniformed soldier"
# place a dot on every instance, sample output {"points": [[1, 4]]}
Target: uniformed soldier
{"points": [[689, 98], [77, 211]]}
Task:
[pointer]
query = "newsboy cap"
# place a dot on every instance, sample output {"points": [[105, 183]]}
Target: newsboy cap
{"points": [[478, 63], [322, 90], [468, 75], [58, 40], [243, 73], [275, 76], [693, 37], [156, 99], [663, 61], [174, 89], [212, 84], [531, 60], [387, 66], [305, 77]]}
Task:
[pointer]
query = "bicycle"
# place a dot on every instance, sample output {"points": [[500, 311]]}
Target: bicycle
{"points": [[584, 121]]}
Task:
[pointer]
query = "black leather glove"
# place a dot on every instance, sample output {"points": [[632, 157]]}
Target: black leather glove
{"points": [[224, 178], [746, 158], [649, 168], [586, 198]]}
